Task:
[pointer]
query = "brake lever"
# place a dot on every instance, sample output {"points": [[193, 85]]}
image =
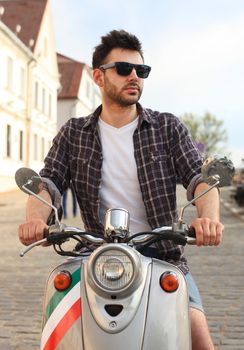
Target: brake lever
{"points": [[46, 233], [31, 246]]}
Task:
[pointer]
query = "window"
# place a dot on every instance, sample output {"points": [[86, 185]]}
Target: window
{"points": [[43, 148], [21, 145], [8, 141], [88, 89], [10, 66], [22, 83], [36, 94], [35, 147], [43, 100], [50, 106]]}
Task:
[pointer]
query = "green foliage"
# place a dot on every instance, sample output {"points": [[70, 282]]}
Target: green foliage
{"points": [[206, 130]]}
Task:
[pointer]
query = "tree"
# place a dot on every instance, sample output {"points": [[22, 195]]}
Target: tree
{"points": [[207, 131]]}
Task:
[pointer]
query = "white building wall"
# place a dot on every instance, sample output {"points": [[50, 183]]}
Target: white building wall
{"points": [[43, 126], [14, 58], [35, 122], [88, 100], [89, 92], [66, 110]]}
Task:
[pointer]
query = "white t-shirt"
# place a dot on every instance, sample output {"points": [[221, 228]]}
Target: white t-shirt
{"points": [[120, 186]]}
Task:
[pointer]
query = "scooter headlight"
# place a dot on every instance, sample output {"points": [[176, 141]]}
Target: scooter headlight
{"points": [[113, 269]]}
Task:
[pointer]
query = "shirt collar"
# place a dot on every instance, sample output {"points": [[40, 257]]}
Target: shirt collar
{"points": [[92, 119], [144, 115]]}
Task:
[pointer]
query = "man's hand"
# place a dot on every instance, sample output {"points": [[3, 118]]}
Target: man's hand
{"points": [[208, 232], [208, 228], [37, 214], [32, 231]]}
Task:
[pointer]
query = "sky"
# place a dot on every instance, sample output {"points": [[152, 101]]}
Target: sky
{"points": [[195, 49]]}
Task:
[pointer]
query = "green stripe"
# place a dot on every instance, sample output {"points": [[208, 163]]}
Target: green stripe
{"points": [[58, 296]]}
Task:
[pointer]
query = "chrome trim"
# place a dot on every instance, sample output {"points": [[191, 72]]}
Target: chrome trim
{"points": [[133, 255]]}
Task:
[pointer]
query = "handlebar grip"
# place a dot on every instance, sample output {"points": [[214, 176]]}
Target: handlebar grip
{"points": [[191, 232], [46, 232]]}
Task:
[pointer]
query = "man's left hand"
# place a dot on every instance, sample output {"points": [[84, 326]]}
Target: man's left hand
{"points": [[208, 232]]}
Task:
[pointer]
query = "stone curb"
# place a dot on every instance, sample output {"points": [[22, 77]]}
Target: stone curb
{"points": [[238, 212]]}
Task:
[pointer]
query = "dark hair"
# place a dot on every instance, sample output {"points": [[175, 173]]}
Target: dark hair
{"points": [[115, 39]]}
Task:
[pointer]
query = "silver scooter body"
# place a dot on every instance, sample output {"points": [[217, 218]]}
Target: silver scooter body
{"points": [[150, 318]]}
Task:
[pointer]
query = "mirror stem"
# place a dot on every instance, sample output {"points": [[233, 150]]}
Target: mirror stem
{"points": [[194, 199], [57, 222]]}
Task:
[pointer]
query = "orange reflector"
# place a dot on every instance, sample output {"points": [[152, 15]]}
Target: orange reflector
{"points": [[169, 281], [62, 280]]}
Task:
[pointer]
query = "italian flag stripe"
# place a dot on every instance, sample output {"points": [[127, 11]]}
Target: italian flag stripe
{"points": [[58, 296], [64, 325], [62, 318]]}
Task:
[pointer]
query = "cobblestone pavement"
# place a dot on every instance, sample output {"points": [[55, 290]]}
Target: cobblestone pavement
{"points": [[220, 278], [218, 271]]}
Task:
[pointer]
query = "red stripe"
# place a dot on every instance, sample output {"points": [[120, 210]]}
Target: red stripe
{"points": [[63, 326]]}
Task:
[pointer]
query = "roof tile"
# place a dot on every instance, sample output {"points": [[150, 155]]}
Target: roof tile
{"points": [[28, 14], [70, 76]]}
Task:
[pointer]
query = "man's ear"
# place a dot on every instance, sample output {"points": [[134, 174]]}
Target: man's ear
{"points": [[98, 77]]}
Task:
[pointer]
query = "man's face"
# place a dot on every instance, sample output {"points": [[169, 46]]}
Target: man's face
{"points": [[122, 90]]}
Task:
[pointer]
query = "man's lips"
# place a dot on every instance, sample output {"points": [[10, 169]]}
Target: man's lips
{"points": [[132, 88]]}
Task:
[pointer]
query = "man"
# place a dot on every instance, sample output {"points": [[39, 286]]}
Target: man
{"points": [[123, 155]]}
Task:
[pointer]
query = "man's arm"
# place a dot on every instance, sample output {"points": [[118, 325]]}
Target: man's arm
{"points": [[37, 214], [209, 230]]}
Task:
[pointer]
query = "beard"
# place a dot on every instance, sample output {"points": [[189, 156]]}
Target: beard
{"points": [[120, 97]]}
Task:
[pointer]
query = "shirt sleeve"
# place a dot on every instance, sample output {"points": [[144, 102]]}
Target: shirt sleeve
{"points": [[56, 172], [188, 160], [197, 179], [51, 188]]}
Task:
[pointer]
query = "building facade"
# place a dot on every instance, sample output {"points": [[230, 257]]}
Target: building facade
{"points": [[29, 84], [39, 89], [78, 95]]}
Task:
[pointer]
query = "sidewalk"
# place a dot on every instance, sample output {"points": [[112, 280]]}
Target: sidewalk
{"points": [[230, 204]]}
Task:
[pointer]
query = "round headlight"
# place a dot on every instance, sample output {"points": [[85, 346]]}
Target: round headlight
{"points": [[113, 269]]}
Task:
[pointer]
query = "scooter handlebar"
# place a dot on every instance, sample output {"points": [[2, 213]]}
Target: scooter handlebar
{"points": [[53, 235], [46, 232]]}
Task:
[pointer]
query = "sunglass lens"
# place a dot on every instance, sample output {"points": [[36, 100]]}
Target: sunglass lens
{"points": [[123, 68], [142, 71]]}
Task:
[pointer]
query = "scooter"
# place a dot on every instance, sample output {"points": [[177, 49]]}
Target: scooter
{"points": [[107, 294], [238, 195]]}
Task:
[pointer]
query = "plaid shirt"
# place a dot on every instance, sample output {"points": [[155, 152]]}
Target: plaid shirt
{"points": [[163, 152]]}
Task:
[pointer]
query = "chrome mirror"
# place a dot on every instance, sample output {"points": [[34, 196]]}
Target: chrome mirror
{"points": [[31, 183], [219, 169], [28, 180]]}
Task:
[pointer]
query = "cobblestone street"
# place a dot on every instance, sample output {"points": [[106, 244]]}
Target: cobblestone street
{"points": [[218, 271]]}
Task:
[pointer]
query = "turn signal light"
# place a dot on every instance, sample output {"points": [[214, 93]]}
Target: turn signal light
{"points": [[169, 281], [62, 280]]}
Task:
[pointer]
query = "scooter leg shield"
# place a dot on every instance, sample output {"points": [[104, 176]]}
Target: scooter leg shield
{"points": [[168, 321], [62, 311]]}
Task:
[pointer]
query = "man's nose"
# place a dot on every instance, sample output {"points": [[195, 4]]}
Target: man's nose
{"points": [[133, 74]]}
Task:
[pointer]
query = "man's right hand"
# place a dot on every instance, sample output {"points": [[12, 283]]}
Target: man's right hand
{"points": [[32, 231]]}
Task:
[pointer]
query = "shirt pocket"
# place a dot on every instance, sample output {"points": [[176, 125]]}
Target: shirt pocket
{"points": [[162, 166], [85, 169]]}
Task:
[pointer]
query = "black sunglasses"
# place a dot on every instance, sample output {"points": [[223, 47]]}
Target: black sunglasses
{"points": [[125, 68]]}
